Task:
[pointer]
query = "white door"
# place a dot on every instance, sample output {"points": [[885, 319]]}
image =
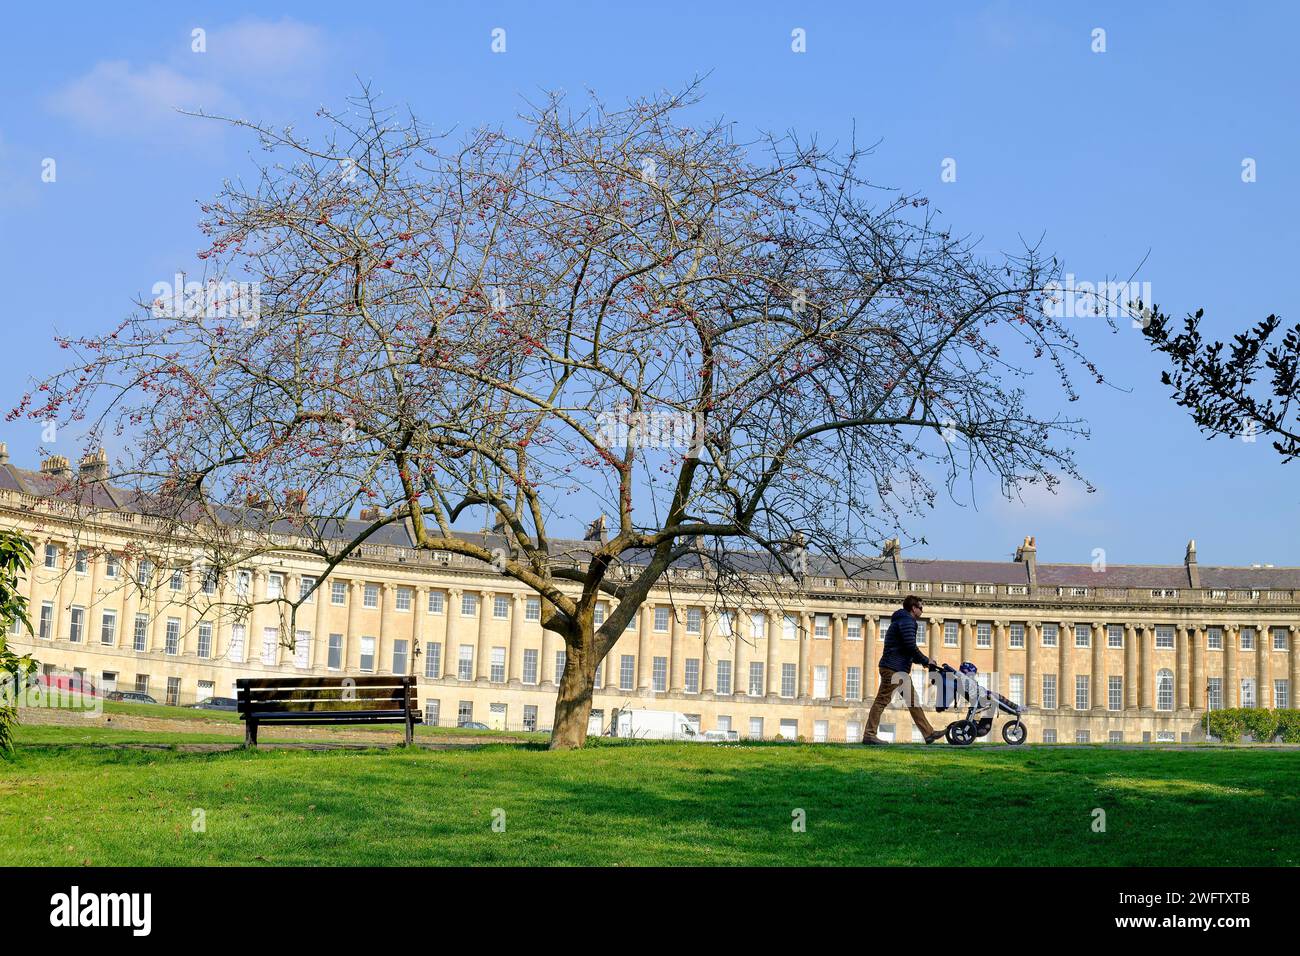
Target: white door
{"points": [[820, 729], [206, 689], [821, 682], [497, 716]]}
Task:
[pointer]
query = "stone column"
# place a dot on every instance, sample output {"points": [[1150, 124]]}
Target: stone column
{"points": [[1264, 667], [352, 636], [1196, 667], [676, 658], [384, 640], [33, 589], [1147, 652], [1132, 667], [708, 664], [1065, 665], [1293, 673], [258, 617], [1033, 680], [805, 638], [837, 656], [514, 650], [1182, 669], [1231, 687], [870, 656], [321, 638], [1100, 693], [130, 606], [644, 653], [998, 680], [964, 630], [772, 665], [744, 622], [482, 654]]}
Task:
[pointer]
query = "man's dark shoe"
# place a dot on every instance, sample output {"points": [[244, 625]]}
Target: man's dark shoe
{"points": [[934, 736], [872, 739]]}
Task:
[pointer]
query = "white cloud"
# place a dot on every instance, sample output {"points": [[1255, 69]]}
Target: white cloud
{"points": [[116, 98], [1070, 500], [261, 48]]}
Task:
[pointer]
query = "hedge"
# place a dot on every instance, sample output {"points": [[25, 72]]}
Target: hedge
{"points": [[1263, 725]]}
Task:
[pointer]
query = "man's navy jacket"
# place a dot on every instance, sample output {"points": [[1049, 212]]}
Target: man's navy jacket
{"points": [[901, 651]]}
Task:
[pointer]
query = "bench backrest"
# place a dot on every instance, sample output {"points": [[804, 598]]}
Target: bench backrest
{"points": [[316, 695]]}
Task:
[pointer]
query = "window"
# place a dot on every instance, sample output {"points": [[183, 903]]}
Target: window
{"points": [[1214, 693], [370, 596], [205, 639], [172, 638], [1214, 638], [465, 663], [302, 650], [1016, 636], [402, 600], [501, 607], [758, 625], [820, 729], [51, 555], [1247, 638], [1116, 736], [789, 628], [854, 629], [209, 581], [600, 676], [110, 566], [1049, 735], [307, 589], [142, 683], [1081, 684], [1082, 635], [432, 659], [431, 712], [1164, 689], [81, 562], [465, 712], [852, 732], [627, 672], [1279, 639], [1114, 635], [533, 609], [600, 611], [560, 659], [1164, 736], [530, 665], [338, 593], [882, 628], [243, 584], [1281, 695], [787, 680], [497, 666], [1082, 736], [659, 674], [1164, 636], [950, 637], [177, 580], [275, 585], [173, 691], [756, 728], [400, 655], [76, 634], [983, 634], [468, 605], [237, 643], [920, 633], [789, 728], [756, 686], [46, 626], [1247, 692], [367, 665], [437, 602], [334, 653], [1049, 691], [661, 619], [724, 677], [821, 681], [1049, 636], [853, 683], [271, 646], [694, 619], [108, 627], [140, 633], [1016, 688], [1115, 692], [530, 717], [692, 675], [822, 627]]}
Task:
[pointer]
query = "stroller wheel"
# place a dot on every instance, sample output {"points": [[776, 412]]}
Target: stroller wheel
{"points": [[1014, 733], [960, 733]]}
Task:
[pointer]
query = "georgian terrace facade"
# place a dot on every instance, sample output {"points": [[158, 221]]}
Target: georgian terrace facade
{"points": [[1121, 653]]}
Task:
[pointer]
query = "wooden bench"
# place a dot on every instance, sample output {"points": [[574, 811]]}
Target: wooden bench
{"points": [[326, 700]]}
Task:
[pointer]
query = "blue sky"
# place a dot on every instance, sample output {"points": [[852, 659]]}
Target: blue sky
{"points": [[1116, 157]]}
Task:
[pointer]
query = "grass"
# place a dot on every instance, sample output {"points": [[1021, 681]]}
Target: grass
{"points": [[645, 804]]}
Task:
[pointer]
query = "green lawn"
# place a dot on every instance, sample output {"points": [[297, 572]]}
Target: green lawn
{"points": [[646, 804]]}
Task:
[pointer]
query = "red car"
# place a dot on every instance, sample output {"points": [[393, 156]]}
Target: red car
{"points": [[68, 684]]}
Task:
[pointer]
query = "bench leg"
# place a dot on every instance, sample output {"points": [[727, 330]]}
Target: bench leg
{"points": [[250, 733], [410, 729]]}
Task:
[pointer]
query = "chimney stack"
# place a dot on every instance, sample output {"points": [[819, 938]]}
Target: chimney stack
{"points": [[56, 466], [1028, 554], [371, 513], [596, 531], [4, 453], [94, 465], [895, 551], [1193, 573], [295, 500]]}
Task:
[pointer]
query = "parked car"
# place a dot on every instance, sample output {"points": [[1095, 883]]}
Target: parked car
{"points": [[216, 703], [472, 725], [67, 684], [129, 697]]}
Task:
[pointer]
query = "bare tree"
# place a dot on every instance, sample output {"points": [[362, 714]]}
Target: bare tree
{"points": [[743, 352], [1251, 389]]}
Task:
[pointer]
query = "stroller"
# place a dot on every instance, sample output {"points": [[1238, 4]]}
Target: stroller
{"points": [[953, 685]]}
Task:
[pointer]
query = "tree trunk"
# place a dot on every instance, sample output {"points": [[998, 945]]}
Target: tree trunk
{"points": [[573, 702]]}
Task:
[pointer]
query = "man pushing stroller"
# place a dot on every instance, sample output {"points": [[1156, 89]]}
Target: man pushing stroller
{"points": [[896, 663]]}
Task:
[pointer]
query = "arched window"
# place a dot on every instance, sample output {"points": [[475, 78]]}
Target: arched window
{"points": [[1165, 689]]}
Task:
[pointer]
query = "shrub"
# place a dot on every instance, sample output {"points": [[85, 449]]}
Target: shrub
{"points": [[1262, 724], [15, 561], [1288, 726]]}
